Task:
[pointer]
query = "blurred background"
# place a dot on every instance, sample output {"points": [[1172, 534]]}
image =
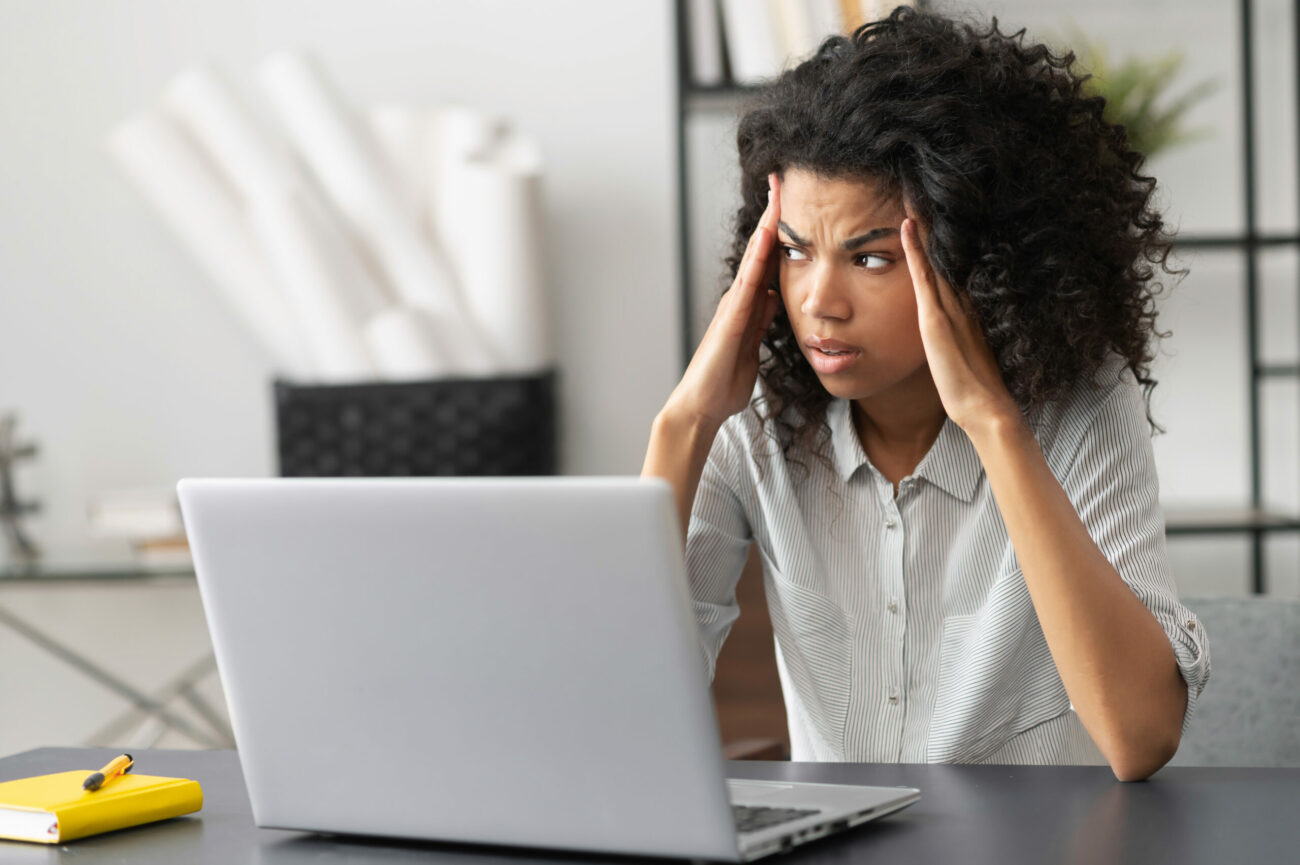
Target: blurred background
{"points": [[124, 365]]}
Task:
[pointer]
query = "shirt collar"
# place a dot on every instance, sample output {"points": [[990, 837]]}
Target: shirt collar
{"points": [[847, 447], [951, 463]]}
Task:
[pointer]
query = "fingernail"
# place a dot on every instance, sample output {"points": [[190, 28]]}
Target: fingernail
{"points": [[769, 196]]}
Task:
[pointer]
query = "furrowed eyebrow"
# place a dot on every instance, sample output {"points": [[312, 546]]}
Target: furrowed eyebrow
{"points": [[849, 245]]}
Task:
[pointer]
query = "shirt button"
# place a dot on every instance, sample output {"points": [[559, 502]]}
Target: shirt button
{"points": [[893, 699], [890, 522], [1191, 624], [893, 606]]}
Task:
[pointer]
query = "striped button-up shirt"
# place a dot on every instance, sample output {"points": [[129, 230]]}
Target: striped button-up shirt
{"points": [[904, 628]]}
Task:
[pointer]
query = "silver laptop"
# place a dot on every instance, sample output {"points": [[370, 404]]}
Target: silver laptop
{"points": [[504, 661]]}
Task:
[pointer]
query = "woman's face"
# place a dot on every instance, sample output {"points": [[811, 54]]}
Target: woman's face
{"points": [[846, 285]]}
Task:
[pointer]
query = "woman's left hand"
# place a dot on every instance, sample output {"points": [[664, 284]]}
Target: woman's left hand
{"points": [[964, 369]]}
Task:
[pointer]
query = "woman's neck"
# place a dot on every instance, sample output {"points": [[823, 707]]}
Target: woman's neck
{"points": [[897, 428]]}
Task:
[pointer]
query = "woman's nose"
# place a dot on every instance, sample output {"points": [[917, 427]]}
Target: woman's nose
{"points": [[824, 298]]}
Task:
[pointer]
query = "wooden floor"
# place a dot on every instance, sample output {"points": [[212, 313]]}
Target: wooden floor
{"points": [[746, 690]]}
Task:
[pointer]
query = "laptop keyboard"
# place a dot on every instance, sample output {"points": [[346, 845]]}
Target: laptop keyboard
{"points": [[751, 818]]}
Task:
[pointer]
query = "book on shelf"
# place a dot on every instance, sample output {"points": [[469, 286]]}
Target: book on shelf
{"points": [[763, 38], [135, 515], [704, 27], [753, 40], [173, 552]]}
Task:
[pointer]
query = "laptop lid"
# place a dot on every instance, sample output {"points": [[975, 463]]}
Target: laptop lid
{"points": [[499, 660]]}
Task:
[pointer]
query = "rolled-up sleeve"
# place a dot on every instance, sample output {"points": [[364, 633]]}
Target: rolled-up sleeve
{"points": [[717, 543], [1113, 486]]}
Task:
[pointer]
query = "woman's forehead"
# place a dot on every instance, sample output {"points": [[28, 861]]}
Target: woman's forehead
{"points": [[804, 190]]}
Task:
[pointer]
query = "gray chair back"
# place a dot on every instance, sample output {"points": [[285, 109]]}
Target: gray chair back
{"points": [[1249, 714]]}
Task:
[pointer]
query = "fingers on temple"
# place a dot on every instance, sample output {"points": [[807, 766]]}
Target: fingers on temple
{"points": [[757, 266], [766, 270], [958, 306], [940, 292], [771, 305], [919, 266], [755, 297], [753, 241], [753, 274]]}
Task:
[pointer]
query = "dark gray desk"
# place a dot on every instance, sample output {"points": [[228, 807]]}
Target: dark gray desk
{"points": [[969, 814]]}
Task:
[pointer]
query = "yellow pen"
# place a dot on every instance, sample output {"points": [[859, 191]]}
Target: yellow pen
{"points": [[116, 767]]}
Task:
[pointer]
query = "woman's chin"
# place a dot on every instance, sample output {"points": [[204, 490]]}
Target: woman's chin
{"points": [[857, 387], [843, 387]]}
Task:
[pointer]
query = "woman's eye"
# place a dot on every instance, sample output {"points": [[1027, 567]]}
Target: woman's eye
{"points": [[793, 253]]}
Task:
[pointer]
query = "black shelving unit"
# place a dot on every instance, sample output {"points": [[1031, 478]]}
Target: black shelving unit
{"points": [[1255, 520]]}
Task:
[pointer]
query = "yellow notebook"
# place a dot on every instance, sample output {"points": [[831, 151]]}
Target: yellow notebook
{"points": [[54, 808]]}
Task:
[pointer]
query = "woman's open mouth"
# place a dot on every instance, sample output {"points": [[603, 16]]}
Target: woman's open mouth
{"points": [[829, 356]]}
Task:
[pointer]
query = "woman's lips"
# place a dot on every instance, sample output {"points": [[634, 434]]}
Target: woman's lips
{"points": [[829, 356], [829, 364]]}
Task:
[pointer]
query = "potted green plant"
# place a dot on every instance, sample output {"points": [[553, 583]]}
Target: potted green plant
{"points": [[1135, 90]]}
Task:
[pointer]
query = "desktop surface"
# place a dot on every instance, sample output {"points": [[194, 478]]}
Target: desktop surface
{"points": [[972, 814]]}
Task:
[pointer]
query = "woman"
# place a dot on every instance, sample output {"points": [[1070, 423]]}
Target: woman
{"points": [[944, 253]]}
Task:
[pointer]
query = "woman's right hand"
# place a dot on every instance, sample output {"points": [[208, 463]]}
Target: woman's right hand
{"points": [[719, 380]]}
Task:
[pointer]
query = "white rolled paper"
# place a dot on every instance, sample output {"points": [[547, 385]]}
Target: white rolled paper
{"points": [[405, 137], [403, 343], [207, 217], [504, 262], [256, 161], [261, 166], [460, 134], [318, 281], [344, 156]]}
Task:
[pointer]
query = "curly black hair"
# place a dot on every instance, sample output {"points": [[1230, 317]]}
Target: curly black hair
{"points": [[1036, 209]]}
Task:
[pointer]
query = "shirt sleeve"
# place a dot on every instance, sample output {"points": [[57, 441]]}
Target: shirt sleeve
{"points": [[1113, 486], [717, 544]]}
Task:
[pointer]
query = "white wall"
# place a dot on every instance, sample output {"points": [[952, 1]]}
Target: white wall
{"points": [[119, 357]]}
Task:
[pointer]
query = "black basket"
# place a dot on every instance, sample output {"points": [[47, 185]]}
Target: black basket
{"points": [[496, 426]]}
